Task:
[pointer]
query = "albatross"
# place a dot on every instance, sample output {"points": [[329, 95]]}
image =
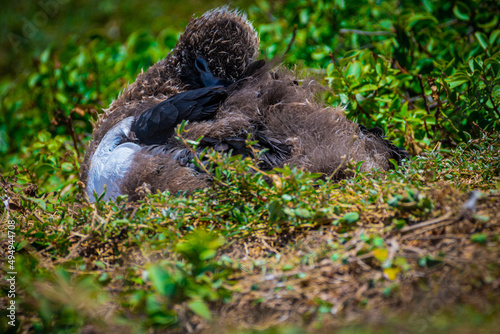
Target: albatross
{"points": [[212, 79]]}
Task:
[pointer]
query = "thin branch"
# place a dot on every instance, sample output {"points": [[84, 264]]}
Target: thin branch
{"points": [[294, 33], [366, 33], [329, 179], [436, 99], [425, 102], [197, 158], [494, 106], [444, 223], [69, 126], [446, 216], [73, 134], [447, 24], [420, 47], [423, 93], [490, 90]]}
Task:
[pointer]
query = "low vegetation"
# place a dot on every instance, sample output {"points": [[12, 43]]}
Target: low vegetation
{"points": [[415, 249]]}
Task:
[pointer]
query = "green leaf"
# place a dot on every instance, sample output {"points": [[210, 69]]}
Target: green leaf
{"points": [[44, 136], [100, 264], [482, 40], [44, 57], [43, 169], [479, 238], [207, 254], [199, 307], [488, 25], [329, 69], [493, 36], [428, 5], [162, 281], [304, 16], [366, 88], [457, 83], [61, 98], [354, 69], [33, 79], [490, 61], [340, 3], [304, 213], [348, 57], [481, 218], [394, 201], [351, 217], [192, 142], [40, 202], [21, 244], [419, 18], [67, 167], [461, 11], [275, 211]]}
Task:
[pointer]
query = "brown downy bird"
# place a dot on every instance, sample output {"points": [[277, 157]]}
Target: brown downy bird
{"points": [[211, 78]]}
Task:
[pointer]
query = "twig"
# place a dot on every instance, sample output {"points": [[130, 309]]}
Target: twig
{"points": [[73, 134], [441, 237], [73, 251], [344, 158], [366, 33], [423, 94], [294, 33], [200, 163], [490, 91], [420, 48], [69, 126], [436, 99], [269, 247], [425, 102], [444, 223], [426, 223], [494, 106], [38, 218], [447, 24], [3, 179]]}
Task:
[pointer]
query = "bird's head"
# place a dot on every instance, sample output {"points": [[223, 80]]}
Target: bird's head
{"points": [[215, 49]]}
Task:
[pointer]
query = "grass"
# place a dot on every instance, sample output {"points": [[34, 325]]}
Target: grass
{"points": [[260, 250]]}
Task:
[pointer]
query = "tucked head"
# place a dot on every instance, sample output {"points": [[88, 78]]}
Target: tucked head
{"points": [[215, 48]]}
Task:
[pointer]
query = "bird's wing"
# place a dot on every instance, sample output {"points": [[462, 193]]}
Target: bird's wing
{"points": [[111, 161], [157, 124]]}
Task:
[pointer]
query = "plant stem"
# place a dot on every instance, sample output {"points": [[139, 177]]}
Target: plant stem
{"points": [[425, 103], [294, 33]]}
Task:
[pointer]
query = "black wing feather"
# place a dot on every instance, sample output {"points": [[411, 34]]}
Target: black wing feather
{"points": [[157, 124]]}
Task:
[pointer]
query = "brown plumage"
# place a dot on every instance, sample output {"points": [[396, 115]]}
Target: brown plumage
{"points": [[224, 37], [272, 106], [320, 137]]}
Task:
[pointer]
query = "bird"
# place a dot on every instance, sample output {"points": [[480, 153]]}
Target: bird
{"points": [[215, 50], [214, 79]]}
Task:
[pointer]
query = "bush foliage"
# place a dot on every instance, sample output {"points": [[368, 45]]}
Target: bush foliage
{"points": [[427, 72]]}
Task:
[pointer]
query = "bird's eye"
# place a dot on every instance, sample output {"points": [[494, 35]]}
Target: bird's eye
{"points": [[200, 65]]}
